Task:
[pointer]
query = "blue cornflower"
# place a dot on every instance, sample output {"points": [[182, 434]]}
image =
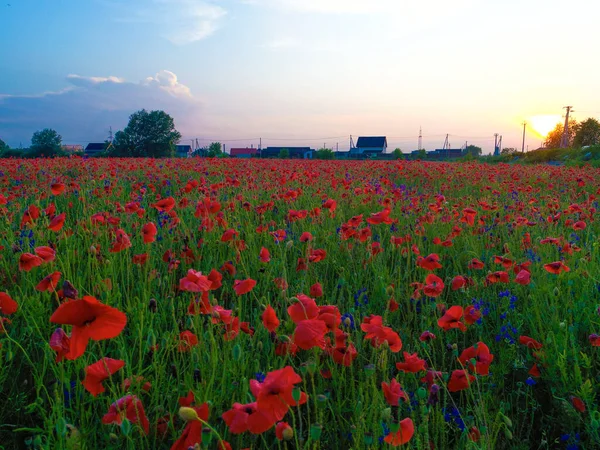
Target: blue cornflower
{"points": [[348, 321], [260, 377], [530, 381]]}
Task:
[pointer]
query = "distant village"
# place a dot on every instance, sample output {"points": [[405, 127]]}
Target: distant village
{"points": [[367, 147]]}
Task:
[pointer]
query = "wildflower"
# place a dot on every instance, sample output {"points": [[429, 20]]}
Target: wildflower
{"points": [[96, 373], [404, 434], [90, 319], [129, 407]]}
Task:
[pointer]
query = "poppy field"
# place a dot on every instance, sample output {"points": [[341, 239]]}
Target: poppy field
{"points": [[269, 304]]}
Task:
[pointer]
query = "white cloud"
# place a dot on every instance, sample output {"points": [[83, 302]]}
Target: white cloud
{"points": [[400, 7], [83, 111], [281, 43]]}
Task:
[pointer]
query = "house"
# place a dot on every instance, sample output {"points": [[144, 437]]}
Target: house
{"points": [[183, 151], [293, 152], [94, 149], [243, 152], [370, 146], [73, 148]]}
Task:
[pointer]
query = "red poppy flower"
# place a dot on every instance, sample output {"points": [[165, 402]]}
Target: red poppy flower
{"points": [[46, 253], [96, 373], [578, 404], [523, 277], [530, 343], [229, 235], [57, 222], [460, 380], [482, 356], [412, 363], [129, 407], [241, 418], [49, 282], [264, 255], [165, 205], [474, 434], [497, 277], [451, 319], [405, 432], [459, 282], [121, 242], [149, 232], [136, 381], [192, 433], [556, 267], [430, 262], [379, 334], [317, 256], [242, 287], [187, 340], [434, 286], [393, 392], [90, 319], [27, 261], [306, 237], [505, 262], [310, 333], [274, 395], [283, 431], [476, 264], [7, 305], [194, 282], [305, 308], [316, 290], [579, 225], [472, 315], [57, 188], [269, 319], [426, 336], [229, 268], [140, 259], [593, 338], [534, 371], [468, 216], [60, 343]]}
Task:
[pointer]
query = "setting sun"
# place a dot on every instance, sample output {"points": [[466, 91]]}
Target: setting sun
{"points": [[544, 124]]}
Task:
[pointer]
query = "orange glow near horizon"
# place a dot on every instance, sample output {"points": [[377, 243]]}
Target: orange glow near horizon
{"points": [[543, 124]]}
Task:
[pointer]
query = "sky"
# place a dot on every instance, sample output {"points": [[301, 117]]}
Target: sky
{"points": [[299, 72]]}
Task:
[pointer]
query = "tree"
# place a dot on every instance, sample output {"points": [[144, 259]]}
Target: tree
{"points": [[46, 143], [3, 146], [508, 151], [421, 154], [284, 153], [214, 150], [148, 134], [472, 150], [554, 138], [587, 133], [325, 153], [398, 153]]}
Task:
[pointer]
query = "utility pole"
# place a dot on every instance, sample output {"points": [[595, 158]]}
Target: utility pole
{"points": [[523, 146], [337, 147], [564, 142], [110, 135], [496, 151], [420, 139]]}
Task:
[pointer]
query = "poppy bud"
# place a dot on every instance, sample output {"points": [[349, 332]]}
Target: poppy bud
{"points": [[296, 394], [237, 352], [370, 369], [152, 305], [321, 401], [386, 414], [69, 290], [188, 414], [197, 375], [174, 370], [315, 431], [368, 439], [289, 244]]}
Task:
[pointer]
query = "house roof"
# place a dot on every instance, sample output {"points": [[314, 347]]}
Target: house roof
{"points": [[371, 141], [95, 147], [243, 151]]}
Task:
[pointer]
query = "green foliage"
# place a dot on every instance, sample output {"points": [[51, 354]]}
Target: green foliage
{"points": [[554, 138], [148, 134], [472, 150], [46, 142], [214, 150], [398, 153], [284, 153], [508, 151], [587, 133], [420, 154], [325, 153], [3, 146]]}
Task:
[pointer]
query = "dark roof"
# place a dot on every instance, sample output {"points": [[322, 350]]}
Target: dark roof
{"points": [[291, 150], [371, 141], [95, 147], [243, 151], [183, 148]]}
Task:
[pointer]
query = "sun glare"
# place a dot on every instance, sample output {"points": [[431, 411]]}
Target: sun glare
{"points": [[543, 124]]}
